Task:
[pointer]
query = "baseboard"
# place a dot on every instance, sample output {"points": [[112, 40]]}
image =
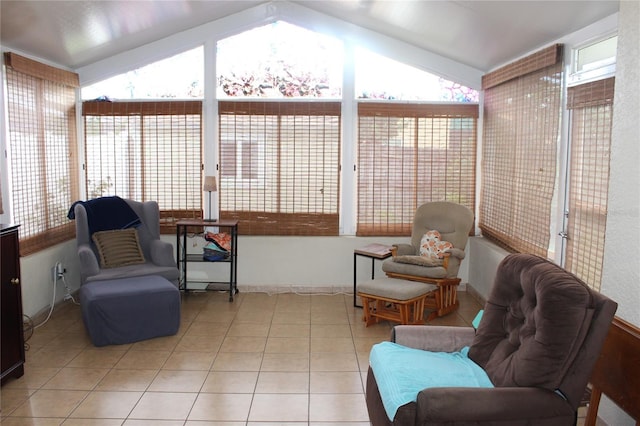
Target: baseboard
{"points": [[475, 294], [278, 289], [323, 289]]}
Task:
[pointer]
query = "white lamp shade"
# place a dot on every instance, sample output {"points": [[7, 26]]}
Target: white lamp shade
{"points": [[210, 184]]}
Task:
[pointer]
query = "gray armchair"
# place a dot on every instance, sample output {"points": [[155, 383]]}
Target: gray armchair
{"points": [[453, 223], [537, 342], [158, 255]]}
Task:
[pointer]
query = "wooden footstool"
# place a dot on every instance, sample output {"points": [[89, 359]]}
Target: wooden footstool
{"points": [[394, 300]]}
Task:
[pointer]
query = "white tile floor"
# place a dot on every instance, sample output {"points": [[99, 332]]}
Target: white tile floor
{"points": [[260, 360]]}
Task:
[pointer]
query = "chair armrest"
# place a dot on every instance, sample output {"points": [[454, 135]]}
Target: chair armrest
{"points": [[88, 261], [504, 405], [403, 250], [433, 337], [162, 253], [456, 252]]}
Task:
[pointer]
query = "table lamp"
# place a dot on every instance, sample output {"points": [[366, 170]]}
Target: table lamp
{"points": [[210, 186]]}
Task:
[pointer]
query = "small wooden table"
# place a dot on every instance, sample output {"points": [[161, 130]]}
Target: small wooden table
{"points": [[372, 251]]}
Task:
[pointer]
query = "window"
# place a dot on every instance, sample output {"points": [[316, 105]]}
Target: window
{"points": [[378, 77], [591, 106], [186, 81], [42, 141], [594, 61], [279, 60], [521, 132], [409, 154], [279, 166], [146, 151]]}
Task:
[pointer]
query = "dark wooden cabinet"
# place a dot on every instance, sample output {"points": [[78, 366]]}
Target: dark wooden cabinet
{"points": [[12, 336]]}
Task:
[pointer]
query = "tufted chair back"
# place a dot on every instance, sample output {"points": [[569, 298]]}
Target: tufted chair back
{"points": [[540, 326]]}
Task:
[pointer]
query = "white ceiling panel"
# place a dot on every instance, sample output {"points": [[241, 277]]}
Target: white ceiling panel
{"points": [[480, 34]]}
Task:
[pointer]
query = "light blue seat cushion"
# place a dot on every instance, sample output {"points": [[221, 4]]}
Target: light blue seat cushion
{"points": [[402, 372]]}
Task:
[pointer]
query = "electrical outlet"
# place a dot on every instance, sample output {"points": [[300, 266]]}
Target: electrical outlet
{"points": [[57, 271]]}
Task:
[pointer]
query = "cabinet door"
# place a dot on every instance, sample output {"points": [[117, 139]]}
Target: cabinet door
{"points": [[12, 346]]}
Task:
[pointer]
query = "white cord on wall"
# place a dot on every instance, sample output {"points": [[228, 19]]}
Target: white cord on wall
{"points": [[68, 295]]}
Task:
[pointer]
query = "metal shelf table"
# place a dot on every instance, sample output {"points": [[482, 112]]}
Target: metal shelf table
{"points": [[186, 226]]}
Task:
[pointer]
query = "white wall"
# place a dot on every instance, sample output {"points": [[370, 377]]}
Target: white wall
{"points": [[37, 279], [484, 257], [277, 264], [266, 264], [621, 270], [304, 264]]}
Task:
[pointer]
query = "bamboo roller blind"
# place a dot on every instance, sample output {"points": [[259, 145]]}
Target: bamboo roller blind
{"points": [[410, 154], [591, 106], [147, 151], [280, 166], [41, 124], [521, 132]]}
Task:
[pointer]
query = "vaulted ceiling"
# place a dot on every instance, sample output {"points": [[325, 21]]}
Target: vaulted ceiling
{"points": [[480, 34]]}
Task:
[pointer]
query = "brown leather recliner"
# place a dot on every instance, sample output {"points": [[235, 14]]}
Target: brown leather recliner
{"points": [[538, 340]]}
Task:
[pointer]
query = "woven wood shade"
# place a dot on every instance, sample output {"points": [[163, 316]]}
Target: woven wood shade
{"points": [[280, 167], [521, 132], [532, 63], [591, 121], [146, 151], [591, 94], [41, 71], [141, 108], [41, 124], [410, 154]]}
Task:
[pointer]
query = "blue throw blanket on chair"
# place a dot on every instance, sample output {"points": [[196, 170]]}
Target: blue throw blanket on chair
{"points": [[107, 213], [402, 372]]}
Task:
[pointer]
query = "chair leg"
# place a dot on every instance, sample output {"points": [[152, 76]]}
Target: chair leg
{"points": [[443, 301], [404, 313], [366, 315], [419, 311]]}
